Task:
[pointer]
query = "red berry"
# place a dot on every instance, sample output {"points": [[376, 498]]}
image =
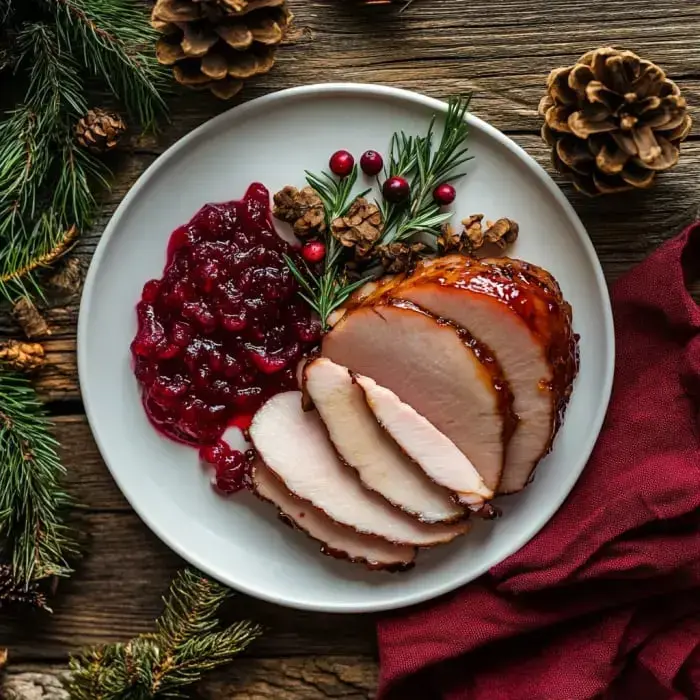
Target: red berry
{"points": [[444, 194], [313, 251], [396, 189], [371, 163], [341, 163]]}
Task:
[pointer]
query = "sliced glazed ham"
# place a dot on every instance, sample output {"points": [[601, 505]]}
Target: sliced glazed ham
{"points": [[438, 456], [434, 367], [517, 310], [337, 540], [363, 445], [294, 445]]}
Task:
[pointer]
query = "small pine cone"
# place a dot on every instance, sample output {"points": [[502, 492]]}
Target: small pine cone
{"points": [[14, 594], [22, 357], [217, 44], [303, 209], [30, 319], [613, 121], [67, 280], [100, 131], [400, 257], [360, 228]]}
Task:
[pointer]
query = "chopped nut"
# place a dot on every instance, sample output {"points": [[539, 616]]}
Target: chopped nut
{"points": [[502, 233], [473, 237], [360, 228], [24, 357]]}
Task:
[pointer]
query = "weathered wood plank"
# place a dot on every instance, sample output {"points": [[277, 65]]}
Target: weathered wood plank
{"points": [[304, 678], [502, 51], [116, 593]]}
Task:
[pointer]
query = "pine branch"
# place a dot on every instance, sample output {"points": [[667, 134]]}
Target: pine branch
{"points": [[45, 179], [426, 167], [116, 45], [186, 644], [33, 535]]}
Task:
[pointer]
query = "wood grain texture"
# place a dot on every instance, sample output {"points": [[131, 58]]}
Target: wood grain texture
{"points": [[503, 52], [312, 678]]}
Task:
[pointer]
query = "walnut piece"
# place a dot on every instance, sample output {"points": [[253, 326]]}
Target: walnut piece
{"points": [[360, 228], [23, 357], [474, 237]]}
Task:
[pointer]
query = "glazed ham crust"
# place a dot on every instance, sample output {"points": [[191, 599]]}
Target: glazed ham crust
{"points": [[517, 310]]}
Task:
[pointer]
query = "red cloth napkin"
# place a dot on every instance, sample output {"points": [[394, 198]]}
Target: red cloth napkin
{"points": [[605, 601]]}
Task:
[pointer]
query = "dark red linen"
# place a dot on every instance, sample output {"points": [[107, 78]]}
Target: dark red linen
{"points": [[605, 601]]}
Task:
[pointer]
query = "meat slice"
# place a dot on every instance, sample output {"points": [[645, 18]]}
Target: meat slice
{"points": [[363, 445], [294, 445], [439, 457], [337, 540], [437, 369], [517, 310]]}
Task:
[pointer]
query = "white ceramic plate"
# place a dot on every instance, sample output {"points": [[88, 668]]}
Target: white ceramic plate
{"points": [[272, 140]]}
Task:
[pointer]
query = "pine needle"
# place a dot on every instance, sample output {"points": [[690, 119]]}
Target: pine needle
{"points": [[187, 643], [69, 48], [425, 165], [33, 536], [116, 42]]}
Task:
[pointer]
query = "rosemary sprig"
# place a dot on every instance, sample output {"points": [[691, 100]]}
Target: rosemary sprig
{"points": [[413, 157], [326, 292]]}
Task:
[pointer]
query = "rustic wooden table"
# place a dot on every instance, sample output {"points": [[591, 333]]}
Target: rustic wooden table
{"points": [[503, 51]]}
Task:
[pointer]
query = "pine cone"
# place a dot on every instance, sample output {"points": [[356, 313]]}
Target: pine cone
{"points": [[67, 280], [13, 594], [30, 319], [216, 44], [303, 209], [100, 131], [360, 228], [399, 257], [613, 120]]}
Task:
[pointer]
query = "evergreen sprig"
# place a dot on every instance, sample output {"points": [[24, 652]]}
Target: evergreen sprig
{"points": [[64, 53], [187, 643], [33, 535], [326, 291], [425, 165]]}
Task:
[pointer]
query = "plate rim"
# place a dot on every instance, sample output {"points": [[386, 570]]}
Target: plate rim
{"points": [[343, 88]]}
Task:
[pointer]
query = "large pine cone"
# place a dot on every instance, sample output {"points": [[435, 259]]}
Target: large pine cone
{"points": [[613, 121], [216, 44]]}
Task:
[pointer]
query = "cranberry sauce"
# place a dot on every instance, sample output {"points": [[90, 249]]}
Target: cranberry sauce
{"points": [[223, 329]]}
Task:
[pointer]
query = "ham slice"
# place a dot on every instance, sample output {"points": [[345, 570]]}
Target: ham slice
{"points": [[294, 445], [434, 367], [363, 445], [517, 310], [438, 456], [337, 540]]}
